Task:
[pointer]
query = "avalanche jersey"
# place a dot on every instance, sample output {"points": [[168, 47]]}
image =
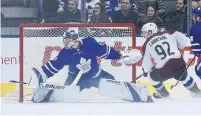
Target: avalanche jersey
{"points": [[195, 37], [162, 48], [89, 49]]}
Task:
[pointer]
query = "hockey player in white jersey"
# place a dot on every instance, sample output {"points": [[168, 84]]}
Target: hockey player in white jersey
{"points": [[81, 56], [162, 51]]}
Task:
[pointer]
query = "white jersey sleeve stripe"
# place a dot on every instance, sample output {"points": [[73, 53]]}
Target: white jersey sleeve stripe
{"points": [[56, 70], [103, 56], [107, 52], [195, 44], [49, 69], [196, 50]]}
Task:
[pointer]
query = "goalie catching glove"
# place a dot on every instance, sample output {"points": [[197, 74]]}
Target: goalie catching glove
{"points": [[130, 57]]}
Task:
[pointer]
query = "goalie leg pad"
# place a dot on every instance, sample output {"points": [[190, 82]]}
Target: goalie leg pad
{"points": [[124, 90], [42, 95], [38, 77], [68, 94], [40, 74]]}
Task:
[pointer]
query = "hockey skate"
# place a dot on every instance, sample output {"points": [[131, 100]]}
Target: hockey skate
{"points": [[195, 91], [163, 93]]}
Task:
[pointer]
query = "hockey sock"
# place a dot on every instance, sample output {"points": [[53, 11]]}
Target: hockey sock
{"points": [[188, 82], [156, 84]]}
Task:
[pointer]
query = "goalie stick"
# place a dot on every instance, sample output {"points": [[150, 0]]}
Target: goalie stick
{"points": [[51, 86], [77, 78], [45, 85], [143, 74]]}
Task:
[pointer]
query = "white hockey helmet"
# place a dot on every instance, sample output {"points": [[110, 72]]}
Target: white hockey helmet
{"points": [[69, 37], [149, 29]]}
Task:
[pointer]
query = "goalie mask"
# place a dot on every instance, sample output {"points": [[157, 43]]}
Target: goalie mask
{"points": [[149, 29], [69, 38]]}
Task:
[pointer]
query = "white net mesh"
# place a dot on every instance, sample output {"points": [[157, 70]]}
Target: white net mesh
{"points": [[82, 31]]}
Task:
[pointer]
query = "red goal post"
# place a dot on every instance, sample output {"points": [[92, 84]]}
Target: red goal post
{"points": [[41, 42]]}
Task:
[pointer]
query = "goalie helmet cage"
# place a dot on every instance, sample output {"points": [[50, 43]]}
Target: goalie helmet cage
{"points": [[39, 34]]}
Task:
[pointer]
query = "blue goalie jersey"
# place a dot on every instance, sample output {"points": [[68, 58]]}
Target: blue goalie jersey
{"points": [[89, 49], [195, 37]]}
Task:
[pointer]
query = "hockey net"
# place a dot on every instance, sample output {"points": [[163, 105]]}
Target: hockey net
{"points": [[42, 42]]}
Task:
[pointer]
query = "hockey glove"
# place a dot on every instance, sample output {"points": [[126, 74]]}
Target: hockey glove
{"points": [[130, 57]]}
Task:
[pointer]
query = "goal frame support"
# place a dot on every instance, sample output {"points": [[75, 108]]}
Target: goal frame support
{"points": [[21, 43]]}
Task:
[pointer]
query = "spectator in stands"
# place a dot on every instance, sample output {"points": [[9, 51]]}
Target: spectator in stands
{"points": [[196, 18], [27, 3], [194, 5], [61, 5], [99, 15], [194, 8], [177, 19], [90, 4], [156, 4], [151, 16], [199, 5], [125, 14], [71, 13], [114, 5], [47, 11]]}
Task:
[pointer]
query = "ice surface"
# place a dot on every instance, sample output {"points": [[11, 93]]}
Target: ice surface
{"points": [[159, 107], [180, 103]]}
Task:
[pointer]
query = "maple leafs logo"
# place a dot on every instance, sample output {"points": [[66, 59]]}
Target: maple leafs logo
{"points": [[85, 65]]}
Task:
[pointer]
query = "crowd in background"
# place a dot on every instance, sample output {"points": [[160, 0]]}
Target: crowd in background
{"points": [[137, 12]]}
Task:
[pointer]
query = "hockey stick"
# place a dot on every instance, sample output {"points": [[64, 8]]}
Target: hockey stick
{"points": [[144, 73], [77, 78], [51, 86], [183, 73], [139, 76], [20, 82], [45, 85]]}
